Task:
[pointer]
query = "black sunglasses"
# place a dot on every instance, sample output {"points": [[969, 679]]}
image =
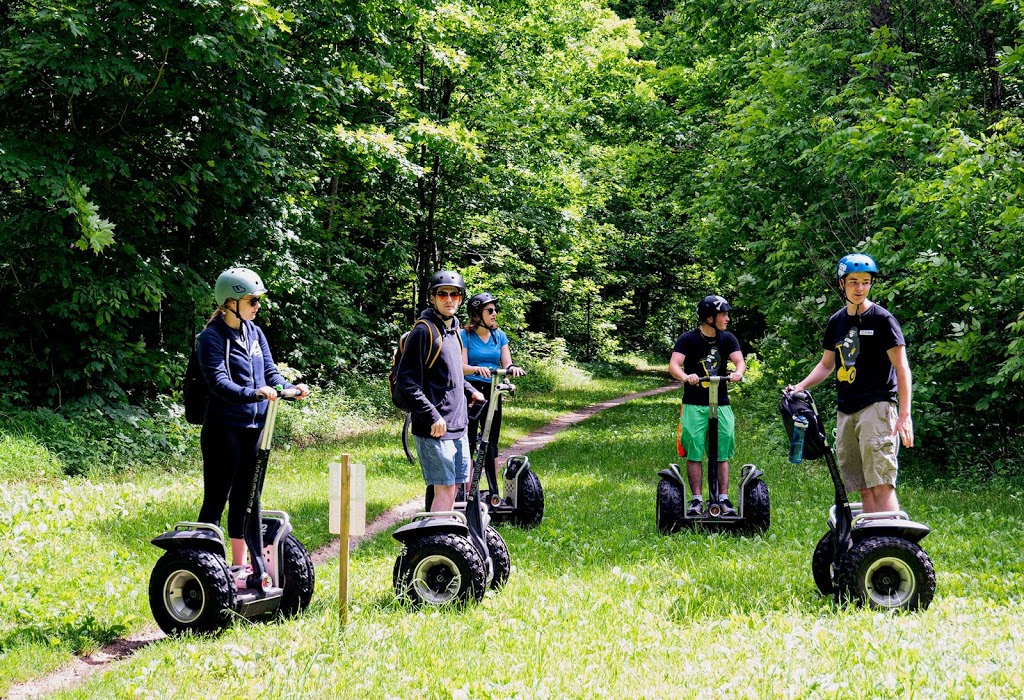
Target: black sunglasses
{"points": [[444, 294], [253, 301]]}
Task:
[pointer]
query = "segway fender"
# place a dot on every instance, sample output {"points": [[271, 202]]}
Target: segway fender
{"points": [[904, 529], [672, 474], [186, 536], [515, 466], [424, 524], [749, 472]]}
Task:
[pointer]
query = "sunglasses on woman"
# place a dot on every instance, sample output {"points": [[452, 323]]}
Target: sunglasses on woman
{"points": [[444, 294]]}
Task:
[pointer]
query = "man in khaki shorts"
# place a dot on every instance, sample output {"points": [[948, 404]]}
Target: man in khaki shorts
{"points": [[864, 346]]}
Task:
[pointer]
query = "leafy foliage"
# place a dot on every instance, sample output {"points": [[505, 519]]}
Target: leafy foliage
{"points": [[599, 170]]}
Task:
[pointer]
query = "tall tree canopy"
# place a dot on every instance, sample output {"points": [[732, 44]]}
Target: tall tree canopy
{"points": [[599, 165]]}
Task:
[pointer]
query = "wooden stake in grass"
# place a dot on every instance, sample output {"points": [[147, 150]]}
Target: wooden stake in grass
{"points": [[340, 524]]}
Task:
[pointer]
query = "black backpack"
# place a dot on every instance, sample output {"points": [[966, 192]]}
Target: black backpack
{"points": [[195, 393], [814, 437], [399, 398]]}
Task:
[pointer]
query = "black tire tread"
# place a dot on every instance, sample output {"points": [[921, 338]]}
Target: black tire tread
{"points": [[298, 577], [871, 548], [529, 502], [757, 508], [669, 507], [218, 586], [458, 549], [500, 558], [821, 565]]}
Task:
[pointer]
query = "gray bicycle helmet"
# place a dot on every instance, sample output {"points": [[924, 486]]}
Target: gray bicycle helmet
{"points": [[236, 283], [710, 306], [446, 278]]}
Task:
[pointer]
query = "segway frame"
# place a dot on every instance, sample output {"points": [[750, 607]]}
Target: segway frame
{"points": [[851, 529], [713, 517], [264, 589]]}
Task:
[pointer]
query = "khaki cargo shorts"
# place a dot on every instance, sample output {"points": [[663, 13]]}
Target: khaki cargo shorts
{"points": [[866, 447]]}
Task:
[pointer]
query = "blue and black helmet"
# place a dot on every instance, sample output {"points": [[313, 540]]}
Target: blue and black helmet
{"points": [[856, 262]]}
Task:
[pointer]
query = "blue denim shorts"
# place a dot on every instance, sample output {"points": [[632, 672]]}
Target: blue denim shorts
{"points": [[444, 462]]}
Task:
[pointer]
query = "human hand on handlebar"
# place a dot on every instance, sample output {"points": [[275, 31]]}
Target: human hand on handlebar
{"points": [[269, 393]]}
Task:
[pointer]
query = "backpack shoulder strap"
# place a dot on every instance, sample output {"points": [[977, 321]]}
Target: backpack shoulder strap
{"points": [[435, 341]]}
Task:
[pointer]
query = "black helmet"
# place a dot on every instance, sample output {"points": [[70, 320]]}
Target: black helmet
{"points": [[710, 306], [477, 302], [446, 278]]}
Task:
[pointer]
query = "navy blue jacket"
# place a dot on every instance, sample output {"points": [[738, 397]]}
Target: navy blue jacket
{"points": [[233, 385], [439, 391]]}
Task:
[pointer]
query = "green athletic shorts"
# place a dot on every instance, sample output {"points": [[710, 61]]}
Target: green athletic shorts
{"points": [[693, 429]]}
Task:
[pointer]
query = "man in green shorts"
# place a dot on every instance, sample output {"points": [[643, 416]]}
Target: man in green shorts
{"points": [[698, 354]]}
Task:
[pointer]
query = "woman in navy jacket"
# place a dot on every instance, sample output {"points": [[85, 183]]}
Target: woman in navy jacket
{"points": [[241, 376]]}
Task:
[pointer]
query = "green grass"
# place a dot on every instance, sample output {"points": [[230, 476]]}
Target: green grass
{"points": [[598, 603]]}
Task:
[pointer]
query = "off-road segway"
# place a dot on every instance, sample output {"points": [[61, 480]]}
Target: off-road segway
{"points": [[872, 559], [454, 556], [192, 589], [519, 499], [753, 508]]}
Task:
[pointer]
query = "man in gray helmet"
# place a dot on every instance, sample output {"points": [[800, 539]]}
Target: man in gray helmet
{"points": [[431, 376]]}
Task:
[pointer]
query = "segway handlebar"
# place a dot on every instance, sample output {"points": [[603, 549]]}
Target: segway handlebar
{"points": [[284, 394], [268, 427]]}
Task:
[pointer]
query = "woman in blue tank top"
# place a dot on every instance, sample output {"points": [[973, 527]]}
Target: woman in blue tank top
{"points": [[485, 347]]}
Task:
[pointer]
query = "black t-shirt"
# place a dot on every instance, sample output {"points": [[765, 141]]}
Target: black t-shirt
{"points": [[706, 357], [864, 373]]}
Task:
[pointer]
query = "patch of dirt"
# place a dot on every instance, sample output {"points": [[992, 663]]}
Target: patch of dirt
{"points": [[75, 673]]}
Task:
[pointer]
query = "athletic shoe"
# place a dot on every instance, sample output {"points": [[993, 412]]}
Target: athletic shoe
{"points": [[240, 574], [727, 508], [696, 508]]}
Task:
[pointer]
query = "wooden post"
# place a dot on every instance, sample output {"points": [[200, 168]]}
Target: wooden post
{"points": [[343, 537]]}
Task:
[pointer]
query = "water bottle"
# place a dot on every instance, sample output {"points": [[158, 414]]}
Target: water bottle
{"points": [[796, 442]]}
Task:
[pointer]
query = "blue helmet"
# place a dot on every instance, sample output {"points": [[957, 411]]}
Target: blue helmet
{"points": [[856, 262]]}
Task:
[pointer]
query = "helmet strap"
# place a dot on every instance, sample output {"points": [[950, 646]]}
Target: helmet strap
{"points": [[861, 307], [234, 311], [433, 305]]}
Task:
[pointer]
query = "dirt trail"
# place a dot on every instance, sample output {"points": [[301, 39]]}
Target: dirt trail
{"points": [[82, 667]]}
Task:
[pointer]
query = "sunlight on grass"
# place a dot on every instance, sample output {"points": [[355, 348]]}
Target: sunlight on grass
{"points": [[598, 603]]}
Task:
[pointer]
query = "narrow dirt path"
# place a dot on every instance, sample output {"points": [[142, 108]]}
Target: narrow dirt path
{"points": [[70, 676]]}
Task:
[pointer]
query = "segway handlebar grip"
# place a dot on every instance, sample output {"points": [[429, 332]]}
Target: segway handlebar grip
{"points": [[283, 393]]}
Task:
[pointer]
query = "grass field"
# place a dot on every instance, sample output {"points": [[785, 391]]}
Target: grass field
{"points": [[598, 603]]}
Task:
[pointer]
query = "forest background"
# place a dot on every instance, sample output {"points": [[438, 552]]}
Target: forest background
{"points": [[597, 166]]}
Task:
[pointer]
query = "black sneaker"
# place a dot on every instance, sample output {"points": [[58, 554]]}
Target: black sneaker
{"points": [[696, 508], [727, 508]]}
